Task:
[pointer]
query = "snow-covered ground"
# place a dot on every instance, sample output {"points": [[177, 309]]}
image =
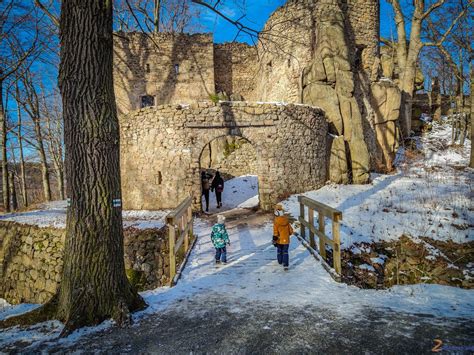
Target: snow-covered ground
{"points": [[240, 192], [431, 196], [253, 277], [53, 214]]}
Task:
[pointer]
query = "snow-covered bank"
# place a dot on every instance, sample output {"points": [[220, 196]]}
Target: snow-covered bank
{"points": [[53, 215], [427, 197]]}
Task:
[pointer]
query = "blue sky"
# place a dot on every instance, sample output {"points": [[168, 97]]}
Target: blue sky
{"points": [[257, 13]]}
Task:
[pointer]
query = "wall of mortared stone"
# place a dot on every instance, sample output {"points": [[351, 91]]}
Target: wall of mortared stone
{"points": [[144, 64], [161, 149], [363, 23], [288, 42], [233, 156], [31, 260], [235, 69], [286, 48]]}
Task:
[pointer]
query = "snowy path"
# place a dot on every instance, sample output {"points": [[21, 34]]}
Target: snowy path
{"points": [[243, 305]]}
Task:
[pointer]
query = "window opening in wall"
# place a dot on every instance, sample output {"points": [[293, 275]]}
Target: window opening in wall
{"points": [[148, 68], [158, 178], [289, 62], [147, 101], [176, 69], [269, 66]]}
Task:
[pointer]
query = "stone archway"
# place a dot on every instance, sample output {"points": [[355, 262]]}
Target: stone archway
{"points": [[161, 148], [237, 161]]}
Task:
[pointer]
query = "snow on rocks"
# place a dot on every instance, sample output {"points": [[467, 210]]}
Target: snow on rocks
{"points": [[53, 215]]}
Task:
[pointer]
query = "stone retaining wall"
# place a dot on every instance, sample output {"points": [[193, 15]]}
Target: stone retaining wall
{"points": [[31, 260], [161, 149]]}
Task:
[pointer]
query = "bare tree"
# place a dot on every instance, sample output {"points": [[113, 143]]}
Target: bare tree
{"points": [[19, 135], [156, 15], [52, 114], [30, 102], [409, 47], [16, 48], [471, 163], [93, 286]]}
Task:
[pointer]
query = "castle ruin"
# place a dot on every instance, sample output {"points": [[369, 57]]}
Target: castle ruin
{"points": [[318, 53]]}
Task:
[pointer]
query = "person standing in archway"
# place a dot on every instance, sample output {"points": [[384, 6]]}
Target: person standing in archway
{"points": [[218, 185], [205, 187]]}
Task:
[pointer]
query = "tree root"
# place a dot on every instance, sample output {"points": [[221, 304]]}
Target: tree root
{"points": [[77, 318], [46, 312]]}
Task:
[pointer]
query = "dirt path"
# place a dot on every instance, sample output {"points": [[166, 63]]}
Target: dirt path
{"points": [[212, 324]]}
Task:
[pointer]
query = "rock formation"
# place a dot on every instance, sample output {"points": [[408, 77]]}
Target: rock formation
{"points": [[329, 84]]}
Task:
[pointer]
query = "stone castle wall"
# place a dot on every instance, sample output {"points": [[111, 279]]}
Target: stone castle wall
{"points": [[31, 260], [230, 155], [172, 68], [161, 149], [235, 70], [363, 31]]}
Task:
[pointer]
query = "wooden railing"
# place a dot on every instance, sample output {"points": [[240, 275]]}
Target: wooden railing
{"points": [[323, 211], [180, 231]]}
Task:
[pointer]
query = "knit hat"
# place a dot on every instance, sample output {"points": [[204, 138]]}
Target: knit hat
{"points": [[220, 219]]}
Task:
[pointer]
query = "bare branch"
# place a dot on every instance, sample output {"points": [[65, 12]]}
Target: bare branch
{"points": [[48, 13], [432, 8]]}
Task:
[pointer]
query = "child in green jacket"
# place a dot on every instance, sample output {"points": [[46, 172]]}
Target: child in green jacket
{"points": [[220, 239]]}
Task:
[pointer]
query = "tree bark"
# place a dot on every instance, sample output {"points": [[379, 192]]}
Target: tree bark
{"points": [[14, 204], [3, 123], [94, 286]]}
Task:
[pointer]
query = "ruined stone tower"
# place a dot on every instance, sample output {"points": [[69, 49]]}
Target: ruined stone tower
{"points": [[319, 52]]}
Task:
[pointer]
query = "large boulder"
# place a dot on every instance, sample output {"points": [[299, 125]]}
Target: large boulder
{"points": [[387, 98], [338, 171], [325, 97]]}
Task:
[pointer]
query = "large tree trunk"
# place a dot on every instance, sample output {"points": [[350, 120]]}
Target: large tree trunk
{"points": [[94, 286], [3, 123]]}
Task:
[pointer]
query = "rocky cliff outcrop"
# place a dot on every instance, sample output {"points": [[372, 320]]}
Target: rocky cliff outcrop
{"points": [[329, 83]]}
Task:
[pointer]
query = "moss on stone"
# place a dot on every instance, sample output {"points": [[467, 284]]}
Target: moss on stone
{"points": [[136, 278]]}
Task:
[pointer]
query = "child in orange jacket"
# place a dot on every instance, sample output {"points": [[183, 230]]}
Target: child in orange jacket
{"points": [[282, 232]]}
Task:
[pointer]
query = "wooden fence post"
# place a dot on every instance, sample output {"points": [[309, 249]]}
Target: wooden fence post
{"points": [[303, 229], [172, 240], [337, 244], [311, 222], [322, 229], [188, 215]]}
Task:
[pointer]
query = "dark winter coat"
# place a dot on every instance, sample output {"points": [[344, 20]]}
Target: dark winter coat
{"points": [[218, 183], [206, 184]]}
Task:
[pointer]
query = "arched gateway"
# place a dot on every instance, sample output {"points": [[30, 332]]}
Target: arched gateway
{"points": [[161, 149]]}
